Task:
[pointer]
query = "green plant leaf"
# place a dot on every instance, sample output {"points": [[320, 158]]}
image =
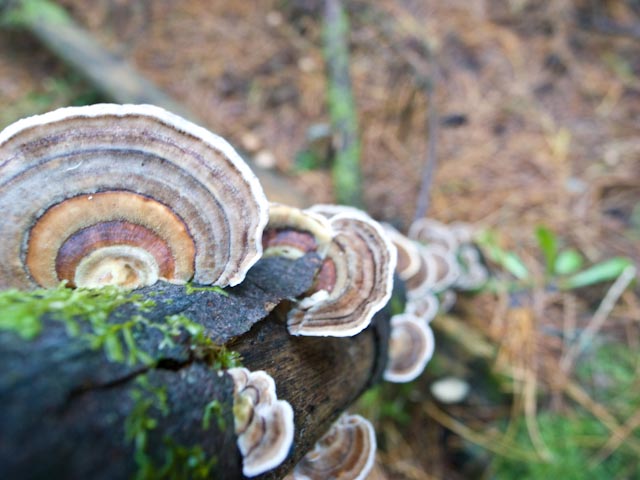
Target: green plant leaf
{"points": [[568, 261], [548, 243], [510, 261], [514, 265], [600, 272]]}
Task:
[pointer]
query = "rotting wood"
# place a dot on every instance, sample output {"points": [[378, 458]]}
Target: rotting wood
{"points": [[114, 76], [68, 412]]}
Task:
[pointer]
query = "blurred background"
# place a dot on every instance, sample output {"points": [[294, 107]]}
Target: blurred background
{"points": [[531, 112]]}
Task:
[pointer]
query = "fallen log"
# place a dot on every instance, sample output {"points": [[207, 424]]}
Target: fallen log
{"points": [[140, 393]]}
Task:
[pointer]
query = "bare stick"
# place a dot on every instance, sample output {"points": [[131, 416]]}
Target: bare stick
{"points": [[424, 194], [601, 315]]}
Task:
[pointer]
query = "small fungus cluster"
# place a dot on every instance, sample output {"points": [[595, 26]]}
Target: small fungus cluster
{"points": [[263, 423], [433, 260], [128, 195]]}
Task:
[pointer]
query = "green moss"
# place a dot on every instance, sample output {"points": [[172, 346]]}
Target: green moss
{"points": [[185, 463], [150, 403], [213, 408], [85, 314], [22, 312], [203, 348], [573, 440]]}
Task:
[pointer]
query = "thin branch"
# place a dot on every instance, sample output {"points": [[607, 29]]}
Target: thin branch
{"points": [[602, 313], [424, 194]]}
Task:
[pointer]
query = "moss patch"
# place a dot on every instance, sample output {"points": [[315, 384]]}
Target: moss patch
{"points": [[22, 312], [180, 462], [85, 314]]}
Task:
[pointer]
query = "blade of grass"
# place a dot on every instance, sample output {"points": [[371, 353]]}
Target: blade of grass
{"points": [[600, 272], [347, 177], [548, 243]]}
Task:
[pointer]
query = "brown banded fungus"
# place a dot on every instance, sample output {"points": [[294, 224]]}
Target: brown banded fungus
{"points": [[346, 452], [424, 279], [424, 306], [409, 262], [354, 282], [410, 348], [263, 423], [124, 195], [292, 232], [432, 232], [447, 267]]}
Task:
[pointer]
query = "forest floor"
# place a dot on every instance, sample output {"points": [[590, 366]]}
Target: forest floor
{"points": [[539, 112]]}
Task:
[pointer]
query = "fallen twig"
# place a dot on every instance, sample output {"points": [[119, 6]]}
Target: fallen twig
{"points": [[601, 315]]}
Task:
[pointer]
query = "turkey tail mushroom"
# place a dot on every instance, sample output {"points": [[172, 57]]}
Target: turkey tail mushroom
{"points": [[409, 261], [124, 194], [432, 232], [354, 282], [410, 348], [346, 452], [263, 423], [292, 232]]}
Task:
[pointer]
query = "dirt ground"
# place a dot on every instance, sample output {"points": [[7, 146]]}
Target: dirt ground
{"points": [[538, 102]]}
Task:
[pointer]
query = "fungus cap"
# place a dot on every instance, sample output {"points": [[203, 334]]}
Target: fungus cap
{"points": [[347, 451], [410, 348], [424, 306], [263, 423], [176, 200], [409, 262], [448, 299], [425, 277], [447, 267], [432, 232], [450, 390], [292, 232], [354, 282]]}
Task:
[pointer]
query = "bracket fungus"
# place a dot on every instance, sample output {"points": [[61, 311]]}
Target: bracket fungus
{"points": [[432, 232], [346, 452], [410, 348], [447, 268], [355, 280], [263, 423], [409, 261], [424, 306], [124, 195], [292, 232], [425, 277]]}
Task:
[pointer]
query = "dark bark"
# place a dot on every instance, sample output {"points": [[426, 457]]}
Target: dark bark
{"points": [[69, 412]]}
